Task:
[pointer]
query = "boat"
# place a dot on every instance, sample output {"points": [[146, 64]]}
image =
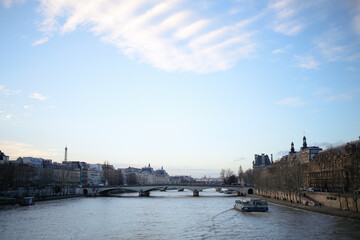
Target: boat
{"points": [[251, 205], [26, 201]]}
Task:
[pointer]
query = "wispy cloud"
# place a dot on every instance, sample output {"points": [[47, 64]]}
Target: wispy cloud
{"points": [[8, 92], [20, 149], [292, 102], [286, 17], [320, 91], [306, 62], [8, 116], [335, 46], [38, 96], [339, 97], [40, 41], [166, 34], [354, 12], [240, 159], [9, 3], [282, 50]]}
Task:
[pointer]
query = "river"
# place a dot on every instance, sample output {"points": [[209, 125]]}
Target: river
{"points": [[167, 215]]}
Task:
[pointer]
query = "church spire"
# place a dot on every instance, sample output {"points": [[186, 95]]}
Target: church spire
{"points": [[304, 142], [292, 147]]}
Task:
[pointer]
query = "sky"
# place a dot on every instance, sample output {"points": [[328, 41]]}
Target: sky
{"points": [[193, 86]]}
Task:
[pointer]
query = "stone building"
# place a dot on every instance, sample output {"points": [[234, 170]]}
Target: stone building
{"points": [[84, 171], [261, 161], [95, 174], [161, 177], [336, 169], [305, 154]]}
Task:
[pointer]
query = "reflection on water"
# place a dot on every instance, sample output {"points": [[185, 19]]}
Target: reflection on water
{"points": [[167, 215]]}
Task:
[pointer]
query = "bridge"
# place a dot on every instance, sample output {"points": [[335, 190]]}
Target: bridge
{"points": [[144, 190]]}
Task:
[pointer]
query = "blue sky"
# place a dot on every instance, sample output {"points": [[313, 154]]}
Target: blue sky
{"points": [[194, 86]]}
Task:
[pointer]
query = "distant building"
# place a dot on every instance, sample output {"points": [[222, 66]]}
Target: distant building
{"points": [[180, 179], [161, 177], [145, 175], [147, 170], [95, 174], [84, 171], [336, 169], [3, 158], [261, 161], [209, 180], [305, 155], [36, 162]]}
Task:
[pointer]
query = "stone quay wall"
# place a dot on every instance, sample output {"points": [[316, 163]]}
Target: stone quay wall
{"points": [[344, 202]]}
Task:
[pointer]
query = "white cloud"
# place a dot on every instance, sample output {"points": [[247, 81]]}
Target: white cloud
{"points": [[282, 50], [38, 96], [40, 41], [306, 62], [8, 116], [292, 102], [191, 29], [163, 34]]}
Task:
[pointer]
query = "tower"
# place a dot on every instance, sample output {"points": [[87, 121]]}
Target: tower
{"points": [[304, 142], [65, 153], [292, 147]]}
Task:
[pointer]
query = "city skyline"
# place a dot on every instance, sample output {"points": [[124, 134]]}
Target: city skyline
{"points": [[194, 87]]}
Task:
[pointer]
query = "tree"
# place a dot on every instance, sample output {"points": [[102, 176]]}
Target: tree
{"points": [[131, 179], [241, 175], [222, 174]]}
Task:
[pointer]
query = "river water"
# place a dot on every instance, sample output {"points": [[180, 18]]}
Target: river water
{"points": [[167, 215]]}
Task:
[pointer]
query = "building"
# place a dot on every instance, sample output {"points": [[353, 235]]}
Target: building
{"points": [[306, 154], [145, 175], [95, 174], [131, 175], [3, 158], [35, 162], [261, 161], [336, 169], [161, 176], [180, 179], [84, 171]]}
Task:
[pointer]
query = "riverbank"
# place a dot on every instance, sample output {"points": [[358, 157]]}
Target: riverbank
{"points": [[13, 201], [319, 209]]}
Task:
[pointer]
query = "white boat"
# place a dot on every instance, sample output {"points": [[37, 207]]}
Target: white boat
{"points": [[251, 205]]}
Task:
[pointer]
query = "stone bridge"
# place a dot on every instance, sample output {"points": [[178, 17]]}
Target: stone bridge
{"points": [[144, 190]]}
